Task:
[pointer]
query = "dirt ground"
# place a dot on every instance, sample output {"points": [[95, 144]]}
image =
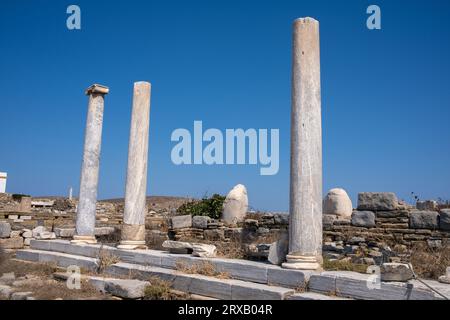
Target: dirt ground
{"points": [[38, 279]]}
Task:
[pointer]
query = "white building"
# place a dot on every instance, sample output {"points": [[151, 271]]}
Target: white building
{"points": [[3, 176]]}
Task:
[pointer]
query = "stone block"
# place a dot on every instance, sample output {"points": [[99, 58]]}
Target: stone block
{"points": [[444, 222], [5, 229], [312, 296], [214, 234], [427, 205], [28, 255], [12, 243], [145, 257], [377, 201], [124, 288], [328, 220], [210, 287], [242, 269], [295, 279], [424, 220], [366, 287], [177, 247], [203, 250], [396, 272], [64, 232], [322, 283], [250, 291], [200, 222], [279, 249], [180, 222], [363, 219]]}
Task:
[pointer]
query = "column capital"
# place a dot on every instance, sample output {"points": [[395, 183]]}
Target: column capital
{"points": [[97, 88], [306, 20]]}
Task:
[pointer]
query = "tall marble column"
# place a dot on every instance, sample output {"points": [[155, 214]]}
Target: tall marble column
{"points": [[133, 228], [85, 223], [305, 220]]}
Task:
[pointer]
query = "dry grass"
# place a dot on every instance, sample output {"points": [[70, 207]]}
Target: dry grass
{"points": [[21, 268], [430, 263], [232, 249], [105, 259], [52, 289], [44, 287], [205, 268], [158, 290], [339, 265]]}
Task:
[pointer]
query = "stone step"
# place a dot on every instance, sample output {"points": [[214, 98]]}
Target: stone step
{"points": [[228, 289], [258, 272], [366, 287], [313, 296], [61, 259]]}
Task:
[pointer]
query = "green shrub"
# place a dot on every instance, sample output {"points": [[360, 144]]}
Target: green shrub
{"points": [[19, 196], [211, 207]]}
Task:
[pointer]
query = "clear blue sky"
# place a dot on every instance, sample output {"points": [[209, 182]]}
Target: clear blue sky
{"points": [[385, 94]]}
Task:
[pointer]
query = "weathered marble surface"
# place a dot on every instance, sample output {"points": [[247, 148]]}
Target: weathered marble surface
{"points": [[235, 205], [337, 202], [305, 221], [85, 221], [377, 201], [133, 230]]}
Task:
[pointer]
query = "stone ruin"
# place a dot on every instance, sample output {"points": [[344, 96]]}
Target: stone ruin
{"points": [[301, 240]]}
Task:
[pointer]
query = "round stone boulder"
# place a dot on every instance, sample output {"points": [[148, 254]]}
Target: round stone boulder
{"points": [[337, 202], [235, 205]]}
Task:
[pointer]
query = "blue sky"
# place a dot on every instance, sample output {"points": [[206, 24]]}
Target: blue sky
{"points": [[385, 93]]}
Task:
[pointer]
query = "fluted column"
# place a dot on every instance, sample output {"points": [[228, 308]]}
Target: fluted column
{"points": [[305, 220], [133, 228], [85, 222]]}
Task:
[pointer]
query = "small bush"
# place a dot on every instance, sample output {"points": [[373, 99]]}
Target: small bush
{"points": [[105, 259], [19, 196], [157, 290], [211, 207]]}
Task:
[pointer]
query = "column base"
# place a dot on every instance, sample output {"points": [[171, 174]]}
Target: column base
{"points": [[83, 240], [299, 262], [132, 245]]}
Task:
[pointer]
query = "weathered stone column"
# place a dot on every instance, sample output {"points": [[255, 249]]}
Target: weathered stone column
{"points": [[89, 170], [305, 220], [133, 228]]}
